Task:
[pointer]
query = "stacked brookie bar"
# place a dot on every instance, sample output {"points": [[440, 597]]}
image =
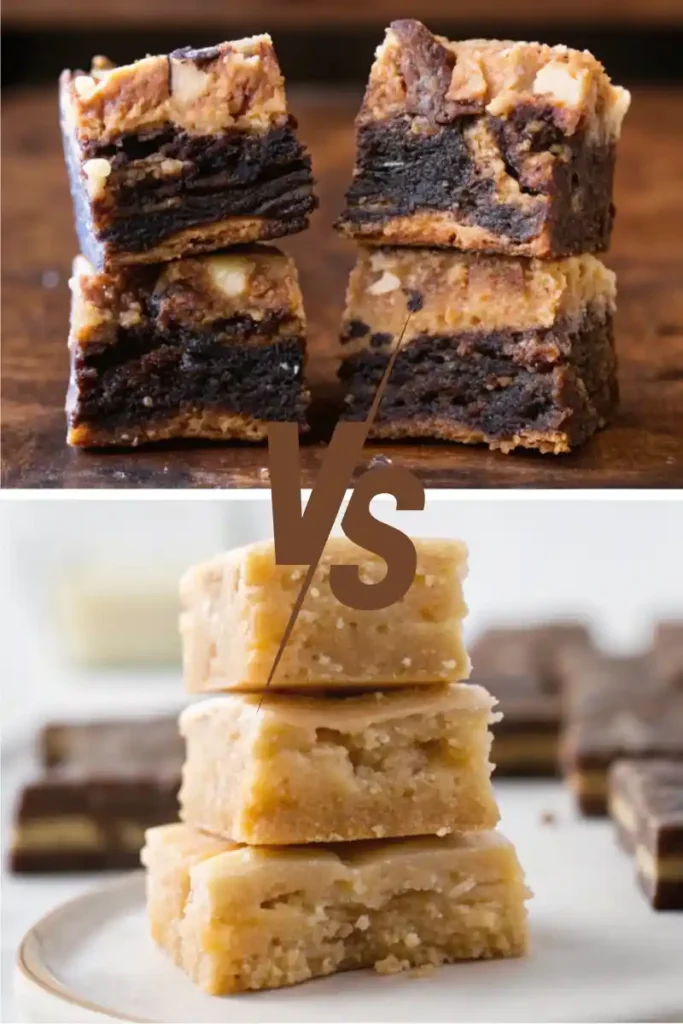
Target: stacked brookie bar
{"points": [[613, 726], [483, 185], [345, 819], [169, 159], [102, 784]]}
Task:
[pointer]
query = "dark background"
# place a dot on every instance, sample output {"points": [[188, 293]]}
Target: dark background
{"points": [[332, 41]]}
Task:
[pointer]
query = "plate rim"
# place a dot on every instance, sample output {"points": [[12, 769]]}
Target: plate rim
{"points": [[37, 974]]}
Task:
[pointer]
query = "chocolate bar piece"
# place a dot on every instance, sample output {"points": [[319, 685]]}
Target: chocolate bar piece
{"points": [[236, 918], [484, 145], [646, 805], [211, 347], [509, 353], [107, 782], [616, 709], [667, 651], [110, 741], [519, 666], [182, 154]]}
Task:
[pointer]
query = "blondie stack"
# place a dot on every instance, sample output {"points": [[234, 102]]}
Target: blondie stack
{"points": [[171, 160], [344, 818], [482, 189]]}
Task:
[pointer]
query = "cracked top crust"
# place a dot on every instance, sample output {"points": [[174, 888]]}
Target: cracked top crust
{"points": [[232, 85], [435, 80], [255, 281], [180, 843], [447, 292]]}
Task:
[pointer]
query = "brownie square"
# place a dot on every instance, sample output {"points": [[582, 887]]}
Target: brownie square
{"points": [[207, 347], [509, 353], [484, 145], [182, 154]]}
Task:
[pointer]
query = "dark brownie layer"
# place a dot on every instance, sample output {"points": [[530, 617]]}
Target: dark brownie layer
{"points": [[662, 894], [496, 383], [149, 375], [401, 172], [65, 861], [119, 807], [230, 174]]}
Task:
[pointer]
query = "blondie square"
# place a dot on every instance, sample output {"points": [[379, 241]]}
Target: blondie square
{"points": [[505, 352], [236, 918], [236, 608], [181, 154], [489, 145], [208, 347], [298, 769]]}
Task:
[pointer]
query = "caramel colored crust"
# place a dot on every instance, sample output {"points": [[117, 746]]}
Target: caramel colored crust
{"points": [[198, 424], [551, 443]]}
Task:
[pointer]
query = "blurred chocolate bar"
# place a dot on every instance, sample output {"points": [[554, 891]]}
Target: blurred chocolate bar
{"points": [[146, 740], [646, 805], [104, 783], [521, 667], [616, 709], [667, 651]]}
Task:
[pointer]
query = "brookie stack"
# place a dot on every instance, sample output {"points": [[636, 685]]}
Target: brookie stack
{"points": [[170, 159], [345, 818], [483, 185]]}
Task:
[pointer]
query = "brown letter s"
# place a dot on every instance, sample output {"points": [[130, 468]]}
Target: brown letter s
{"points": [[397, 550]]}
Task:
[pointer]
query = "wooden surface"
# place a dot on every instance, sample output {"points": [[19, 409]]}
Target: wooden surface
{"points": [[643, 448], [313, 13]]}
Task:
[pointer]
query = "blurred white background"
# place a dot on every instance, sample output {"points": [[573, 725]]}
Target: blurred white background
{"points": [[619, 562]]}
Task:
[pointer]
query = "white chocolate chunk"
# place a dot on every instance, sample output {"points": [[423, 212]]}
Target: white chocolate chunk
{"points": [[388, 282], [556, 79], [96, 173], [230, 274], [188, 82], [85, 86]]}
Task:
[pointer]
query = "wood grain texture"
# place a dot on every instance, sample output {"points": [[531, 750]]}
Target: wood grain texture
{"points": [[279, 14], [643, 448]]}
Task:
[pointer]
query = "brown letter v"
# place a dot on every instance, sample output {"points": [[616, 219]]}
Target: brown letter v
{"points": [[300, 537]]}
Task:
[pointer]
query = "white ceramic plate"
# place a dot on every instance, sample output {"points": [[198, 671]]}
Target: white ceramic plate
{"points": [[599, 953]]}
